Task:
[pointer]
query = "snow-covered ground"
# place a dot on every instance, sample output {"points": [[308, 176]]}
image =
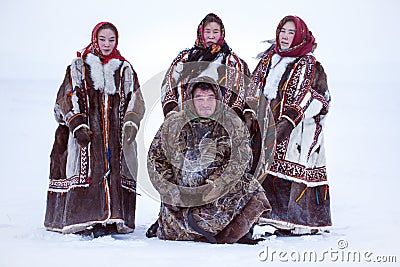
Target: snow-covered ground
{"points": [[362, 139], [362, 155]]}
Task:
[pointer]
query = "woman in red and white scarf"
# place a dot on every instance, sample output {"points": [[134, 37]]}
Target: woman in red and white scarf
{"points": [[99, 107], [294, 84]]}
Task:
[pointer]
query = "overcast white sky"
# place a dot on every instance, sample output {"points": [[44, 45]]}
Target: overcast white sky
{"points": [[39, 38]]}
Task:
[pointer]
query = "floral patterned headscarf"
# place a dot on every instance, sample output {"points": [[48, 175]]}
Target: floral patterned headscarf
{"points": [[200, 42]]}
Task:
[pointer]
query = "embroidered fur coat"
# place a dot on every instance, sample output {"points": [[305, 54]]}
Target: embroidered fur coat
{"points": [[93, 184], [295, 89]]}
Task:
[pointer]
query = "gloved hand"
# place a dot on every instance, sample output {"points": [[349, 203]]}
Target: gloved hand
{"points": [[251, 122], [283, 129], [130, 133], [82, 136]]}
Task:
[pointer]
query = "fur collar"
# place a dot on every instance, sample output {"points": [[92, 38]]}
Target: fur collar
{"points": [[103, 75], [278, 66]]}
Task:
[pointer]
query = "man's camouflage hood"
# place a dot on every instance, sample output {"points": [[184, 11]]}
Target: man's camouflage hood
{"points": [[189, 106]]}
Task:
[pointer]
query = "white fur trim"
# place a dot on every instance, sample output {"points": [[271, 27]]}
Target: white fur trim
{"points": [[103, 75], [68, 189], [69, 115], [58, 114], [289, 178], [132, 103], [77, 72], [313, 109], [73, 157], [122, 228], [75, 105], [296, 229], [127, 72], [78, 127], [278, 67], [96, 71], [171, 113], [131, 123], [289, 119], [108, 195], [130, 189], [249, 110], [76, 78], [109, 72]]}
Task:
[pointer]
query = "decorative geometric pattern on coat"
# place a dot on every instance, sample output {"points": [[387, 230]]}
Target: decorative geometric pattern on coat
{"points": [[232, 77]]}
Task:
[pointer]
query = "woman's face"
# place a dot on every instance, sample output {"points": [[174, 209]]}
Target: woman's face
{"points": [[212, 33], [286, 35], [107, 40]]}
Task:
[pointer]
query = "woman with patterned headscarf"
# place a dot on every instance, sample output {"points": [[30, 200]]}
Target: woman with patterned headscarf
{"points": [[91, 190], [210, 56], [294, 84]]}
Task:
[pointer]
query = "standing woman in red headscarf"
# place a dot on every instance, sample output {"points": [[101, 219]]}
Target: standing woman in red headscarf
{"points": [[91, 189], [210, 56], [294, 84]]}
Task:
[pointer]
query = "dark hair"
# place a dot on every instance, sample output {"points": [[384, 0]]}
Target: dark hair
{"points": [[212, 18], [110, 27], [203, 86]]}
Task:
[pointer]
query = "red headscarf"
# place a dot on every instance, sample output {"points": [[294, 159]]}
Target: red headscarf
{"points": [[303, 41], [94, 48], [200, 42]]}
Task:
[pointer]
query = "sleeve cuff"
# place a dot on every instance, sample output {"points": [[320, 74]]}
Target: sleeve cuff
{"points": [[249, 110], [78, 127], [168, 107], [131, 123], [132, 117], [75, 121], [293, 115]]}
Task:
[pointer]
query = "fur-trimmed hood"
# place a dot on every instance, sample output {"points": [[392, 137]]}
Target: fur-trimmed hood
{"points": [[189, 106]]}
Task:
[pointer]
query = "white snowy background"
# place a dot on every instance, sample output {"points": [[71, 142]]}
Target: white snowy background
{"points": [[358, 47]]}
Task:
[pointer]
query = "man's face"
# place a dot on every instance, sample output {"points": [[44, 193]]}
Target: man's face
{"points": [[204, 102]]}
